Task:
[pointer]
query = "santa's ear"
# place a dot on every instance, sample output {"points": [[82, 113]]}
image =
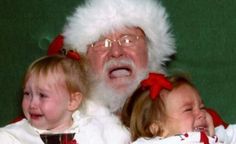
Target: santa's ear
{"points": [[75, 101]]}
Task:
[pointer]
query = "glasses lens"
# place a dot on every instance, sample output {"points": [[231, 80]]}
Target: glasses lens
{"points": [[100, 45], [107, 43], [128, 40]]}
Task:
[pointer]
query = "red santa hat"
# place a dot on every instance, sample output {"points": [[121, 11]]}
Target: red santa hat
{"points": [[100, 17]]}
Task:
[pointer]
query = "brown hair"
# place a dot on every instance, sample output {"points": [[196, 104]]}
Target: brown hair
{"points": [[140, 111], [74, 71]]}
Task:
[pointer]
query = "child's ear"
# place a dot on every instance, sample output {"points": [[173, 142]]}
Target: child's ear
{"points": [[157, 129], [75, 101]]}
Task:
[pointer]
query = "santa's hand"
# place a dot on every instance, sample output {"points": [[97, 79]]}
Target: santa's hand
{"points": [[216, 118]]}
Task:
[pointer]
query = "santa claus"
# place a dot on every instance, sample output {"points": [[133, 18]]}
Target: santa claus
{"points": [[123, 41]]}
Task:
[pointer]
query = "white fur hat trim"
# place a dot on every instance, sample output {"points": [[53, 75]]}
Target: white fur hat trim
{"points": [[99, 17]]}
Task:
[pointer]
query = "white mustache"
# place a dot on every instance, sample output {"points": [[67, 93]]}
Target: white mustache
{"points": [[121, 62]]}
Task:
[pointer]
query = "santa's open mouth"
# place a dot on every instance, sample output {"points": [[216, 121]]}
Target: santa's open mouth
{"points": [[120, 72]]}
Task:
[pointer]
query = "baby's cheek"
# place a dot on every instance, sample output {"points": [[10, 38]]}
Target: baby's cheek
{"points": [[25, 104]]}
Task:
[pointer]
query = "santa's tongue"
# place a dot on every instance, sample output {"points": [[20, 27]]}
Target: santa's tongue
{"points": [[119, 73]]}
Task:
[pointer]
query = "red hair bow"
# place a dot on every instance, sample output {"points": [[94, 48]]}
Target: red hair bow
{"points": [[56, 45], [73, 54], [56, 48], [156, 82]]}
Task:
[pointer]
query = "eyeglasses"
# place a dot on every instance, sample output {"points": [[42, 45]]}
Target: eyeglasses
{"points": [[124, 41]]}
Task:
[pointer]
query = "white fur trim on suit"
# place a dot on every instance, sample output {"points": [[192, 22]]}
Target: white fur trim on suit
{"points": [[99, 17], [113, 131]]}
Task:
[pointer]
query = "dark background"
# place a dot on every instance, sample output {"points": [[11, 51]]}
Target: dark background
{"points": [[205, 32]]}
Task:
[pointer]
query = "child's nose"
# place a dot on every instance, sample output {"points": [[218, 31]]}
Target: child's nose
{"points": [[33, 103], [200, 114]]}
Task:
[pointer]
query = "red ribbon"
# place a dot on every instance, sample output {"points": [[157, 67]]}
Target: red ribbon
{"points": [[204, 138], [73, 54], [56, 45], [56, 48], [156, 82]]}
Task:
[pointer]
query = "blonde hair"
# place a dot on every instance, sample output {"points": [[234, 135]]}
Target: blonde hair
{"points": [[140, 111], [74, 71]]}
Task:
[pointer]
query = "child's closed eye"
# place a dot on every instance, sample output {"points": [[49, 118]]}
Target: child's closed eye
{"points": [[202, 108], [42, 95], [26, 93], [188, 109]]}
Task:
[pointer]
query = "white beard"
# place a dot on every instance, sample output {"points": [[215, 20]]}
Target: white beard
{"points": [[111, 98]]}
